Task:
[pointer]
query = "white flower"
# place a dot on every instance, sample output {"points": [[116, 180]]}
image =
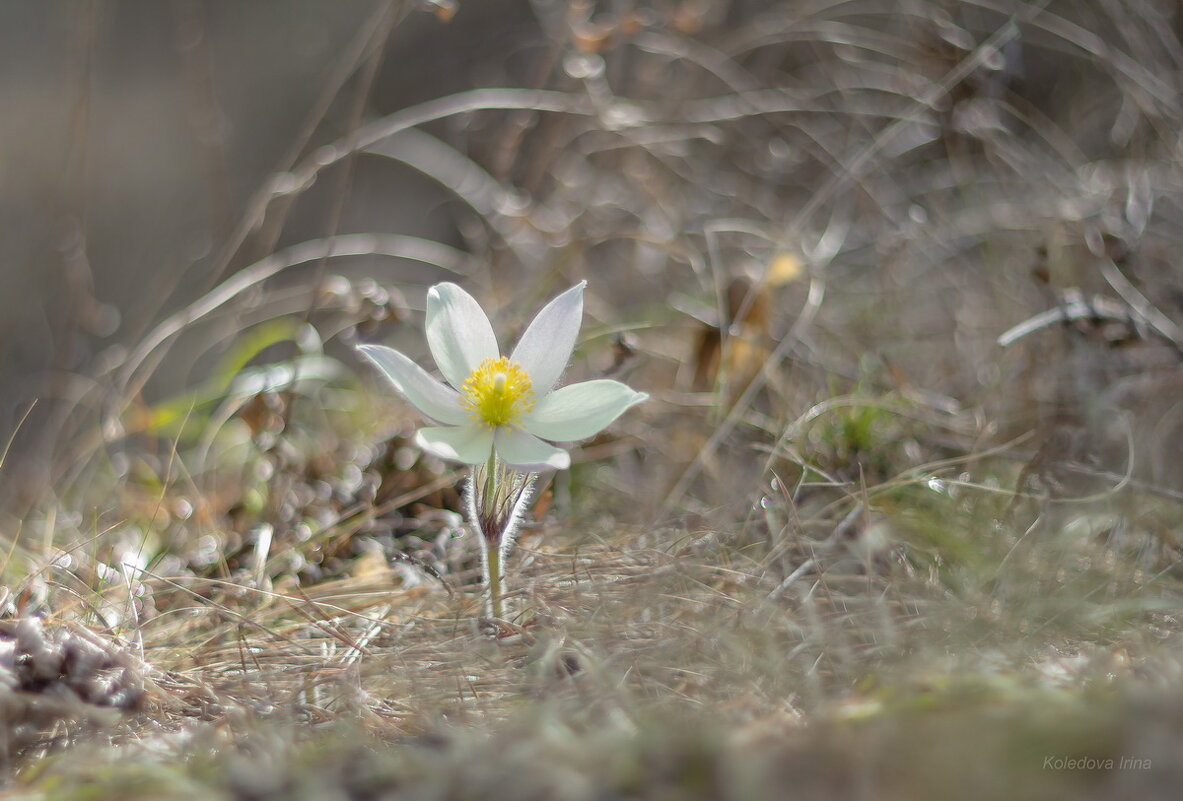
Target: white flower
{"points": [[505, 403]]}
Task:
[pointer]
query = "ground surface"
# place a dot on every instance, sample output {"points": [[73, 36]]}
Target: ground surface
{"points": [[899, 520]]}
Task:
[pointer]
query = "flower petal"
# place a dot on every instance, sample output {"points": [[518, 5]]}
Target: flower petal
{"points": [[545, 348], [580, 410], [458, 332], [469, 444], [519, 449], [433, 399]]}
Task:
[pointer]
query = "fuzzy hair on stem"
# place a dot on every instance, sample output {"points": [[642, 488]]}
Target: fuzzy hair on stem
{"points": [[496, 497]]}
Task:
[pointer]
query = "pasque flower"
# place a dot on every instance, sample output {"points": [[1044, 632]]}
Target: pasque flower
{"points": [[497, 412], [494, 404]]}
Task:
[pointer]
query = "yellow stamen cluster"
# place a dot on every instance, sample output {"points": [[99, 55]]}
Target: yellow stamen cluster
{"points": [[498, 392]]}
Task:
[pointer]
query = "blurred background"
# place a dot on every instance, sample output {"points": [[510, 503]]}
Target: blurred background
{"points": [[139, 132], [900, 278], [774, 203]]}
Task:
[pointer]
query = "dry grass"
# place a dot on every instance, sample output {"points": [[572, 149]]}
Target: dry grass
{"points": [[862, 542]]}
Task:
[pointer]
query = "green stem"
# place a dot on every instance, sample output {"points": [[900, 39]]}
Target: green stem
{"points": [[492, 541], [490, 477], [493, 566]]}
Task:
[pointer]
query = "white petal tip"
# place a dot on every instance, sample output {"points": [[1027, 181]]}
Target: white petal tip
{"points": [[524, 451], [467, 445], [458, 332], [578, 411], [373, 353], [554, 463]]}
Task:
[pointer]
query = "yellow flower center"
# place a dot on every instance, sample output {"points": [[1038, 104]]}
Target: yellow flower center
{"points": [[498, 392]]}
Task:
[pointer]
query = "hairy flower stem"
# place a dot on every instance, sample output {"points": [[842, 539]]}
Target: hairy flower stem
{"points": [[491, 479], [497, 497], [493, 577], [492, 542]]}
